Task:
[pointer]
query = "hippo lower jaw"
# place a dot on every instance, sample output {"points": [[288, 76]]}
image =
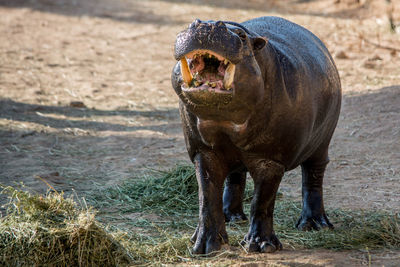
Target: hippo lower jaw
{"points": [[206, 71]]}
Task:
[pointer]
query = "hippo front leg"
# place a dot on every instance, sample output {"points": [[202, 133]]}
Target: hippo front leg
{"points": [[210, 233], [267, 176]]}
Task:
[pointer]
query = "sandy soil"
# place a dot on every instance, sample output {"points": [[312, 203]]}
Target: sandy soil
{"points": [[115, 59]]}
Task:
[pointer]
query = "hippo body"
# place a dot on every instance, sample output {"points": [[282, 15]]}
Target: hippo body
{"points": [[261, 97]]}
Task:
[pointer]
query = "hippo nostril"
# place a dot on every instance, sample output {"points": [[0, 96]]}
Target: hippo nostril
{"points": [[196, 23], [220, 24]]}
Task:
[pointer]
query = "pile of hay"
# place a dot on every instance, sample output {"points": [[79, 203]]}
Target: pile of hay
{"points": [[52, 230]]}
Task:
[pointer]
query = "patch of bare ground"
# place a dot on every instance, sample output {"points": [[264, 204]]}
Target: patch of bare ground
{"points": [[115, 58]]}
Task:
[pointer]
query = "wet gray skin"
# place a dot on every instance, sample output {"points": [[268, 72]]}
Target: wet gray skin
{"points": [[279, 111]]}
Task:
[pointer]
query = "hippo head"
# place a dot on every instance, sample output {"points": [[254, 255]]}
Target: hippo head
{"points": [[218, 71]]}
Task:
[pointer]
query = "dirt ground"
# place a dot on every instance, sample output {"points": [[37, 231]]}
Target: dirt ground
{"points": [[115, 58]]}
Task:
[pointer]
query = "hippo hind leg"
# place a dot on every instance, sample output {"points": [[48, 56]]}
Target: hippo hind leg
{"points": [[233, 196], [313, 216]]}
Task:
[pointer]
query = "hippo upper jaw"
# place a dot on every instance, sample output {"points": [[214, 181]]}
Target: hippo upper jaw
{"points": [[209, 35]]}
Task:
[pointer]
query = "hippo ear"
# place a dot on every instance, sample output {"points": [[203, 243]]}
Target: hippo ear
{"points": [[259, 43]]}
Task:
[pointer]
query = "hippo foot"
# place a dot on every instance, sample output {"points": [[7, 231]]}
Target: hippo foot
{"points": [[235, 216], [208, 240], [316, 222], [264, 244]]}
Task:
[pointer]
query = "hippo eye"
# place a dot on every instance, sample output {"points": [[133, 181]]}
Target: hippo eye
{"points": [[242, 35]]}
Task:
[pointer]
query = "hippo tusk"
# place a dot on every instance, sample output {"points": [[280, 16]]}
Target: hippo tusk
{"points": [[186, 74], [229, 75]]}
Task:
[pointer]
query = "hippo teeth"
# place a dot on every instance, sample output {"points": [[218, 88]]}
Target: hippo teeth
{"points": [[186, 74], [229, 75]]}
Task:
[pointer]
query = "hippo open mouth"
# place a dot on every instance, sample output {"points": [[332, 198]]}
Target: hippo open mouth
{"points": [[205, 70]]}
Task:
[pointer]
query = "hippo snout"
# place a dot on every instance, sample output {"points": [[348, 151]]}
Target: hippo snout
{"points": [[208, 52], [209, 35]]}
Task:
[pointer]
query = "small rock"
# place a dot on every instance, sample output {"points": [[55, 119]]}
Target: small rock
{"points": [[40, 92], [25, 134], [341, 55], [374, 58], [369, 65], [77, 104]]}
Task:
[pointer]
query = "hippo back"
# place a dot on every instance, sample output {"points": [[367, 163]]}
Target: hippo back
{"points": [[293, 43]]}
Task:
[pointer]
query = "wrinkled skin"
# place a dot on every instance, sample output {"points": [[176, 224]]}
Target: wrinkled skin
{"points": [[281, 113]]}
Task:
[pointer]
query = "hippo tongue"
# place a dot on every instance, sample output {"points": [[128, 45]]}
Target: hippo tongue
{"points": [[211, 77]]}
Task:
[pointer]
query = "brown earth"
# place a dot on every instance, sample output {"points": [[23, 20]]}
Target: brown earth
{"points": [[86, 100]]}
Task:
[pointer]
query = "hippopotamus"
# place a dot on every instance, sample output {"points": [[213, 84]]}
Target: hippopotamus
{"points": [[259, 97]]}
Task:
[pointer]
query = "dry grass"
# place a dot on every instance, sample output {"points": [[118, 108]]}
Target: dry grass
{"points": [[52, 230]]}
